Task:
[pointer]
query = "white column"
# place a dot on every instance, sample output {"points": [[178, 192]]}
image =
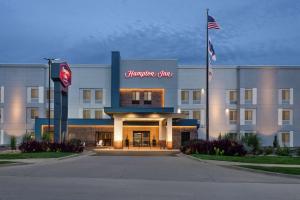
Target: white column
{"points": [[161, 132], [169, 133], [118, 132]]}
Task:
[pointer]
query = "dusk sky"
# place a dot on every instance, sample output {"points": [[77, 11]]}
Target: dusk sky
{"points": [[86, 31]]}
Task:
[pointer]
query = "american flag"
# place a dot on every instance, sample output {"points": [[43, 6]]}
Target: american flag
{"points": [[211, 23], [211, 50]]}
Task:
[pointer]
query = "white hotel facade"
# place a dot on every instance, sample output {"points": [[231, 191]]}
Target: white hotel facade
{"points": [[105, 103]]}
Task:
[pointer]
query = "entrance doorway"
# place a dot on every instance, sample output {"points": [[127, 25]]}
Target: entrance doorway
{"points": [[185, 137], [105, 138], [141, 138]]}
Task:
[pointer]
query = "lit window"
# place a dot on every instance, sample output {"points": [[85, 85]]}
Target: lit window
{"points": [[248, 95], [31, 114], [34, 94], [196, 97], [135, 97], [51, 113], [285, 138], [86, 114], [98, 114], [86, 96], [98, 95], [248, 116], [184, 96], [197, 114], [286, 116], [285, 95], [232, 116], [1, 115], [51, 94], [232, 96], [147, 97]]}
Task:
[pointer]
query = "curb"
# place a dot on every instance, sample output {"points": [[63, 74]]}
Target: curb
{"points": [[243, 168]]}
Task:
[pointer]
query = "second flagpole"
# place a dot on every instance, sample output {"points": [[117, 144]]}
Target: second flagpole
{"points": [[207, 80]]}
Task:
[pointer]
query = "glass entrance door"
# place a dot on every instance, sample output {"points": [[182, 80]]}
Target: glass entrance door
{"points": [[141, 138]]}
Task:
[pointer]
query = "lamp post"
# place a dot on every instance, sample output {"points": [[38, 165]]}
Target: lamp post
{"points": [[50, 60]]}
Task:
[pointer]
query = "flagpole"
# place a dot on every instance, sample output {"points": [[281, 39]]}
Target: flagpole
{"points": [[207, 80]]}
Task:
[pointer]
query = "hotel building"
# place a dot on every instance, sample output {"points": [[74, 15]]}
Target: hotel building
{"points": [[146, 103]]}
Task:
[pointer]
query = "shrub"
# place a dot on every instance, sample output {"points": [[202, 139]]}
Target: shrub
{"points": [[298, 151], [27, 137], [46, 137], [268, 150], [275, 142], [13, 142], [35, 146], [282, 151], [252, 143], [223, 146]]}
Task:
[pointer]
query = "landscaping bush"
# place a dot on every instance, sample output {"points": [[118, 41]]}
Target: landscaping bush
{"points": [[13, 143], [298, 151], [252, 144], [282, 151], [35, 146], [46, 137], [268, 150], [220, 147]]}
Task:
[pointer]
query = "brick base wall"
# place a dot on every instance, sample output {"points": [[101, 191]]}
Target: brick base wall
{"points": [[176, 137]]}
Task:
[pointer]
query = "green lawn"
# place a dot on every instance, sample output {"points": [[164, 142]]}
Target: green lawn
{"points": [[283, 170], [5, 162], [34, 155], [253, 159]]}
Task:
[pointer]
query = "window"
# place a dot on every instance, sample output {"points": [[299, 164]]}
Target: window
{"points": [[197, 115], [51, 113], [1, 115], [232, 97], [286, 116], [31, 114], [2, 94], [186, 113], [196, 97], [86, 96], [98, 96], [98, 114], [135, 97], [147, 97], [285, 139], [184, 96], [232, 116], [248, 116], [34, 94], [248, 95], [285, 96], [86, 114]]}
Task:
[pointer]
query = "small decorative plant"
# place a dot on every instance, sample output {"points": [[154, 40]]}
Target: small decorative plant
{"points": [[13, 142]]}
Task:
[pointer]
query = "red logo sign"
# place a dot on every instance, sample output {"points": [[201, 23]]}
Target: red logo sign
{"points": [[65, 74], [148, 74]]}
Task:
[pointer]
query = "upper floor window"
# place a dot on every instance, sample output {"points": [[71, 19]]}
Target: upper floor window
{"points": [[98, 96], [2, 94], [232, 116], [285, 139], [135, 97], [33, 95], [51, 113], [1, 115], [86, 114], [197, 114], [248, 116], [51, 94], [286, 96], [196, 96], [31, 114], [232, 97], [147, 97], [248, 95], [286, 116], [86, 95], [184, 96], [98, 114]]}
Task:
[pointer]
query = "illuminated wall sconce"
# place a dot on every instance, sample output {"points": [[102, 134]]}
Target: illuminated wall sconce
{"points": [[178, 110], [202, 91], [226, 110]]}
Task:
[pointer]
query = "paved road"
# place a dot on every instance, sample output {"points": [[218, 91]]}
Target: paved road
{"points": [[140, 177]]}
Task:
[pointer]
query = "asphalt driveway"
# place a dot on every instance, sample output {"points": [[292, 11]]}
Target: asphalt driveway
{"points": [[140, 177]]}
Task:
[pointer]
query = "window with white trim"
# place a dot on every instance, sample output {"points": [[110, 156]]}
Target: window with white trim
{"points": [[98, 96], [135, 97], [232, 116], [285, 139], [86, 95], [186, 113], [32, 113], [197, 115], [86, 114], [285, 96], [51, 94], [1, 94], [98, 114], [248, 116], [248, 96], [184, 97], [232, 97], [51, 113], [33, 94], [196, 96], [1, 115], [286, 116]]}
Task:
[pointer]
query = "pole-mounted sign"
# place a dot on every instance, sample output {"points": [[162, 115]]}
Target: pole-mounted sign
{"points": [[61, 75]]}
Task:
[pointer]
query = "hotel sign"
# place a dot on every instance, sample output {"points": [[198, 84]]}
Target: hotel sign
{"points": [[148, 74], [65, 75]]}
